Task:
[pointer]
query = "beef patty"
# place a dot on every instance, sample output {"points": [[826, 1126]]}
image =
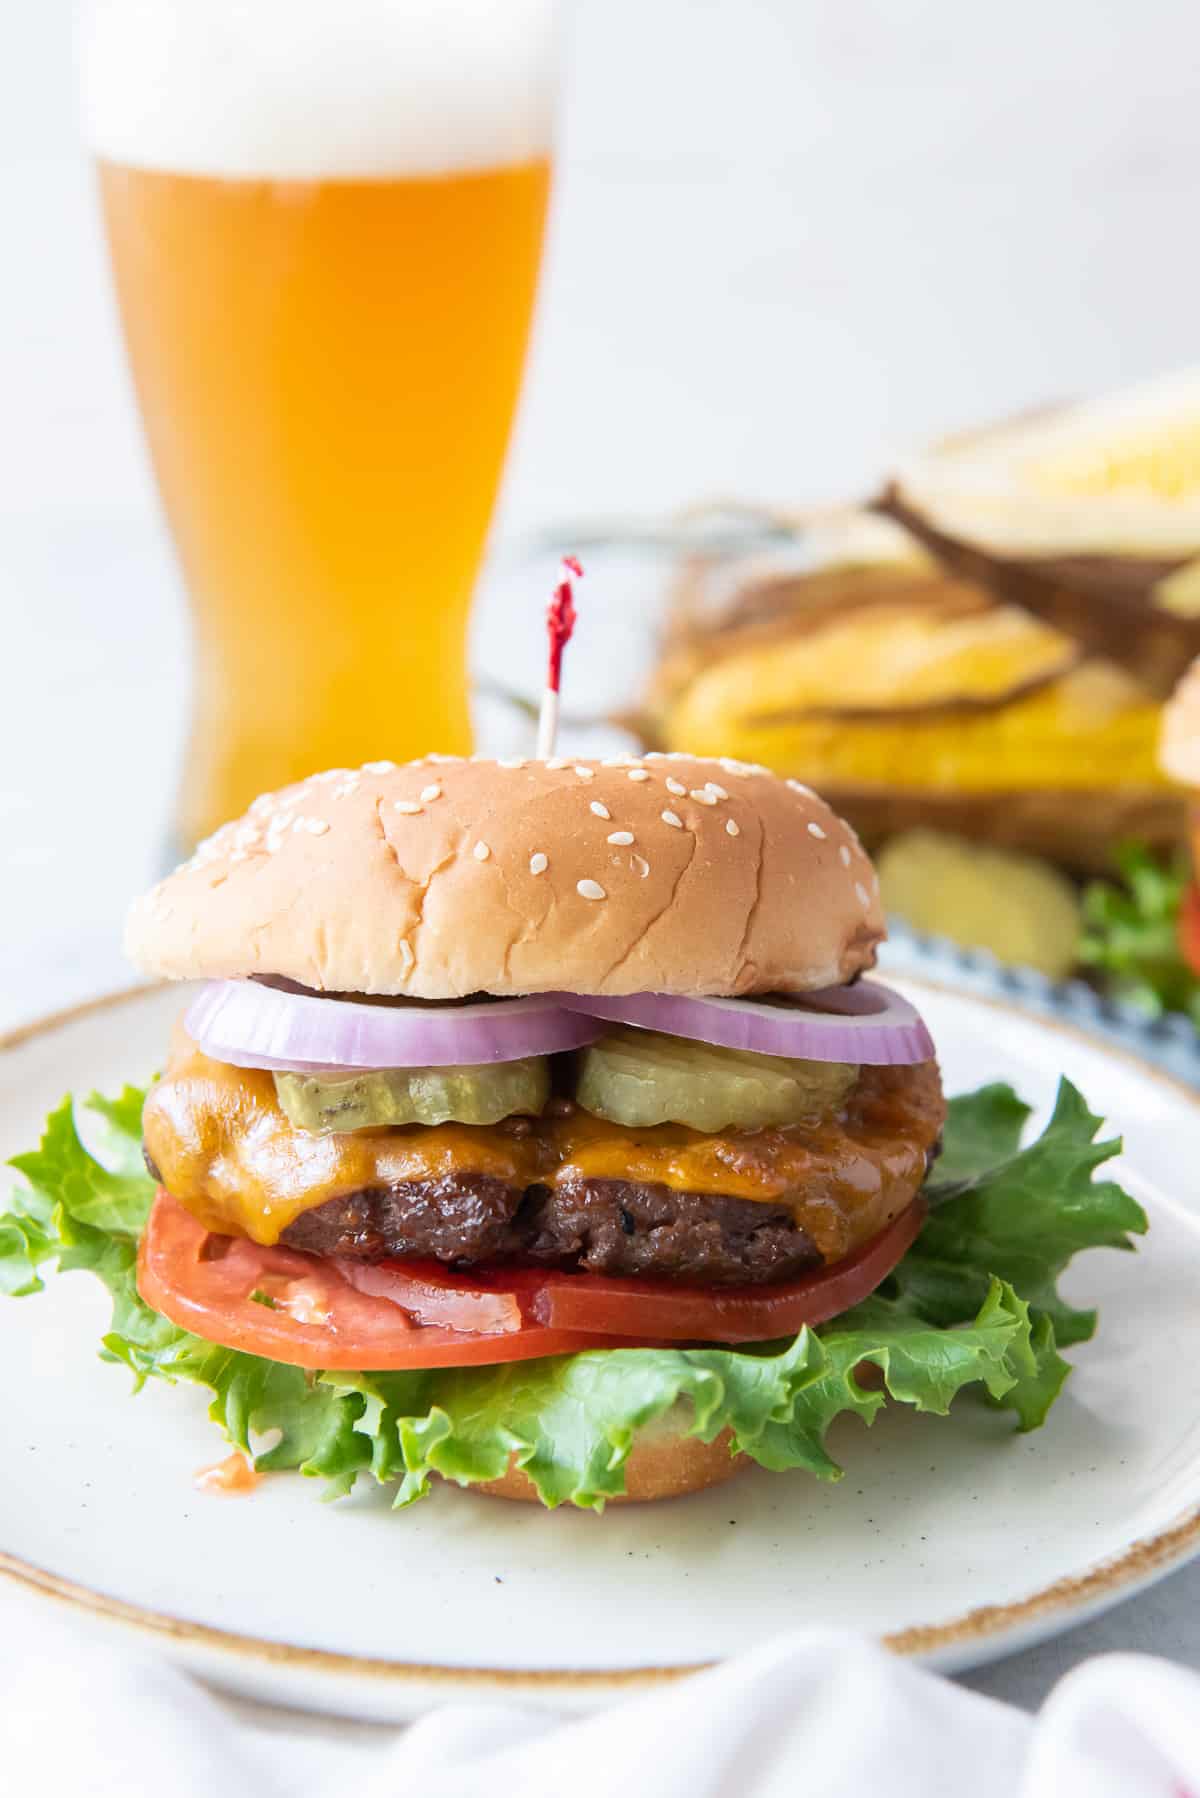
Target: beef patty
{"points": [[615, 1227], [459, 1219]]}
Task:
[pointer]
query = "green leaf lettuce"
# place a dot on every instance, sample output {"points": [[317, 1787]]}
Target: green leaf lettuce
{"points": [[1131, 933]]}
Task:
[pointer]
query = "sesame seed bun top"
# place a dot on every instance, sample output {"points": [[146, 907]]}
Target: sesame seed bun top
{"points": [[1179, 745], [446, 877]]}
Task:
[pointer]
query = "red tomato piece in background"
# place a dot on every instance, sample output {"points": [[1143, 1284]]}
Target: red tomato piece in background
{"points": [[1189, 927]]}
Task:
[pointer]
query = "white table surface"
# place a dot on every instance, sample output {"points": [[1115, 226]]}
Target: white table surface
{"points": [[791, 238]]}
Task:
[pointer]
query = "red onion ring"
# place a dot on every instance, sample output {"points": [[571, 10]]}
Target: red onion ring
{"points": [[866, 1022], [255, 1026], [249, 1024]]}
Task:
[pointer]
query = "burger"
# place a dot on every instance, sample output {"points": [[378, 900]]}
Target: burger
{"points": [[534, 1127], [916, 694], [972, 667]]}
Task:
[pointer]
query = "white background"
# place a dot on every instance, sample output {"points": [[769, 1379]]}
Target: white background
{"points": [[791, 237]]}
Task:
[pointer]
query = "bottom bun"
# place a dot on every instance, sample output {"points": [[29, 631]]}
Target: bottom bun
{"points": [[660, 1465]]}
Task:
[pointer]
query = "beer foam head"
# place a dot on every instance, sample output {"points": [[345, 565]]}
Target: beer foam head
{"points": [[299, 89]]}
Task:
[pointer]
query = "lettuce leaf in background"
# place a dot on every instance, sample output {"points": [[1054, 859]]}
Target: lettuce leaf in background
{"points": [[973, 1304], [1130, 934]]}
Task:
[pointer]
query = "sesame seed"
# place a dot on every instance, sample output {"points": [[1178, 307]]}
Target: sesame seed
{"points": [[407, 958], [675, 786], [641, 866], [844, 856], [558, 761], [703, 796], [864, 898], [600, 810], [316, 827], [585, 773], [430, 793], [718, 792], [590, 889], [798, 786], [639, 774], [622, 838], [538, 863], [814, 830], [299, 824], [617, 761], [512, 761], [379, 767], [732, 827], [673, 820], [409, 807], [481, 852]]}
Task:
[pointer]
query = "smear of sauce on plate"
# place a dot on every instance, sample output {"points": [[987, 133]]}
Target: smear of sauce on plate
{"points": [[233, 1475]]}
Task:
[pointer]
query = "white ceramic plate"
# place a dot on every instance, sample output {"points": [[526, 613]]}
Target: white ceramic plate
{"points": [[953, 1538]]}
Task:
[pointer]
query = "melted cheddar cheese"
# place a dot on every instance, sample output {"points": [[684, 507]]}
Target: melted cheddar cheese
{"points": [[223, 1147]]}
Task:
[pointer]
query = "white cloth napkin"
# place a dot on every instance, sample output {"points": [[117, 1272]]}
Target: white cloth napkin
{"points": [[821, 1713]]}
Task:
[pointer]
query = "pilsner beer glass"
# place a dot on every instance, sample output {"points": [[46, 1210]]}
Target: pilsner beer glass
{"points": [[325, 220]]}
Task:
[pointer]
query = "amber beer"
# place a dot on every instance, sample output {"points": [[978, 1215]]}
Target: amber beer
{"points": [[327, 368]]}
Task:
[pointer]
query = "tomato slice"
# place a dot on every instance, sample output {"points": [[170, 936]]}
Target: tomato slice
{"points": [[648, 1310], [1189, 927], [502, 1299], [318, 1313], [313, 1317]]}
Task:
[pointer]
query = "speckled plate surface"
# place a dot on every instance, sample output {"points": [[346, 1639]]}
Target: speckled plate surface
{"points": [[952, 1538]]}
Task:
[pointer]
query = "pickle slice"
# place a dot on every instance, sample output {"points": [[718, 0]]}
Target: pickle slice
{"points": [[1020, 908], [639, 1077], [325, 1104]]}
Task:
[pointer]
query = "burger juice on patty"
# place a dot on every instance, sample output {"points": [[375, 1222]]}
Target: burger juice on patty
{"points": [[534, 1128]]}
